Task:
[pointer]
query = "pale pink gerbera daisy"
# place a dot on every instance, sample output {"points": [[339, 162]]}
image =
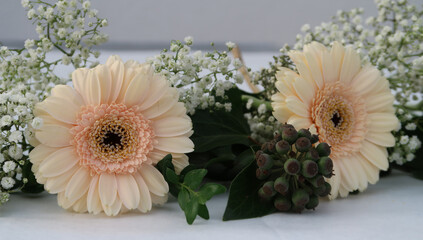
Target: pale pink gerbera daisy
{"points": [[100, 141], [348, 105]]}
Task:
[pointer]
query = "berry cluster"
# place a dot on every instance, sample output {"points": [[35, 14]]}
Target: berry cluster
{"points": [[294, 169]]}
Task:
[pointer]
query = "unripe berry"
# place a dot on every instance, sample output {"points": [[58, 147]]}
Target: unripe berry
{"points": [[289, 134], [281, 185], [265, 161], [304, 133], [309, 168], [282, 204], [283, 147], [325, 166], [323, 149], [292, 166], [302, 144]]}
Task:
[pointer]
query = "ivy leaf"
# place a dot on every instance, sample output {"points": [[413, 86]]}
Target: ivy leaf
{"points": [[191, 210], [171, 176], [183, 198], [221, 128], [243, 201], [194, 178], [165, 163]]}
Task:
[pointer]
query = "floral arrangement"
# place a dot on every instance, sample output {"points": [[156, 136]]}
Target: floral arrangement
{"points": [[323, 120]]}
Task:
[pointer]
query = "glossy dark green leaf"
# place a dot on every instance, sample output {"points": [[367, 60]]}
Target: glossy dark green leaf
{"points": [[171, 176], [243, 199], [165, 163], [194, 178], [203, 211]]}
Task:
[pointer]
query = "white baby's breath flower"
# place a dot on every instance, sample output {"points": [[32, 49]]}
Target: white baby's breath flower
{"points": [[411, 126], [15, 152], [9, 166], [1, 158], [188, 40], [37, 123], [5, 120], [7, 182], [86, 5], [404, 140], [230, 45], [15, 136]]}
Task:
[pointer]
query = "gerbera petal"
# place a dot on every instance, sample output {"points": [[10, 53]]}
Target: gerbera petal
{"points": [[154, 180], [299, 122], [158, 88], [93, 199], [375, 154], [137, 89], [58, 183], [175, 144], [159, 200], [59, 162], [54, 135], [41, 152], [113, 209], [172, 126], [382, 122], [385, 139], [304, 91], [79, 78], [64, 202], [54, 107], [117, 71], [349, 178], [296, 106], [106, 83], [107, 189], [350, 66], [128, 190], [180, 163], [335, 182], [161, 106], [312, 55], [337, 53], [145, 203], [366, 80], [178, 110], [379, 103], [371, 170], [80, 205], [78, 184], [281, 112], [330, 73], [356, 168]]}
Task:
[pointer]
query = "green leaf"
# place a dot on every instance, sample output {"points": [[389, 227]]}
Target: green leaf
{"points": [[171, 176], [165, 163], [183, 198], [194, 178], [243, 201], [221, 128], [208, 190], [203, 211], [191, 211]]}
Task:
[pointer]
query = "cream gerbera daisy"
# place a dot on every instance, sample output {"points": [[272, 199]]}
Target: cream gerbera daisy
{"points": [[100, 141], [348, 105]]}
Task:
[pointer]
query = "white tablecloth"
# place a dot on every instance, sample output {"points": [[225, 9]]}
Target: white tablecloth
{"points": [[390, 209]]}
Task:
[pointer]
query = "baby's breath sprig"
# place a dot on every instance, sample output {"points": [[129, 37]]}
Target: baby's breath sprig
{"points": [[27, 75], [201, 78]]}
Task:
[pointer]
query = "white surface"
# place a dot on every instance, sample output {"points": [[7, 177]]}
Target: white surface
{"points": [[390, 209]]}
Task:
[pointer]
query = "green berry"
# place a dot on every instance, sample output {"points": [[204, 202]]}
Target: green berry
{"points": [[265, 161], [268, 188], [302, 144], [271, 146], [309, 168], [289, 134], [325, 166], [262, 174], [292, 166], [323, 149], [317, 181], [323, 190], [283, 147], [263, 195], [304, 133], [281, 185], [314, 201], [282, 204], [314, 138], [312, 154], [300, 197]]}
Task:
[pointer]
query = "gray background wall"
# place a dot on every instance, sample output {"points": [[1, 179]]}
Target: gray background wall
{"points": [[150, 24]]}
